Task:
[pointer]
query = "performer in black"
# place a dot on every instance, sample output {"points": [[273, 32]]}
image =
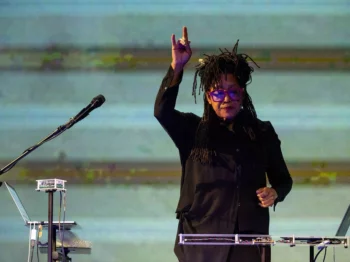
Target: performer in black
{"points": [[225, 156]]}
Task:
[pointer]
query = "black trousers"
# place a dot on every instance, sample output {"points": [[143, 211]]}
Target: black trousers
{"points": [[210, 253], [256, 253], [249, 254]]}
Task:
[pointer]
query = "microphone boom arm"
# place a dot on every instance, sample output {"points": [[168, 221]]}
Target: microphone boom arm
{"points": [[96, 102]]}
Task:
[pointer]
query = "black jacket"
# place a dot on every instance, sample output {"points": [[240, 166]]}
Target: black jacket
{"points": [[221, 198]]}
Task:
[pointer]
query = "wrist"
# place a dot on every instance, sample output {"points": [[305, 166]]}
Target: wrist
{"points": [[177, 67], [274, 193]]}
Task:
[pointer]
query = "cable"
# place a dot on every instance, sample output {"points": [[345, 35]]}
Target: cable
{"points": [[59, 227], [333, 254], [32, 241], [37, 245], [61, 233], [319, 252], [30, 231], [64, 216], [31, 255], [325, 253]]}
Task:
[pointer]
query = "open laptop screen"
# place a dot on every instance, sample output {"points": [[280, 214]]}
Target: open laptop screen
{"points": [[344, 225], [25, 216], [18, 203]]}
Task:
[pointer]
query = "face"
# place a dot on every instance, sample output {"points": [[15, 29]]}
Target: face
{"points": [[226, 98]]}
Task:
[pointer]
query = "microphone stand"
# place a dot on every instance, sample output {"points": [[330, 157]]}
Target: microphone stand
{"points": [[51, 234]]}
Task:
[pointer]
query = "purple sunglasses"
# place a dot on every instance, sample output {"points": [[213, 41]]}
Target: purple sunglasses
{"points": [[220, 94]]}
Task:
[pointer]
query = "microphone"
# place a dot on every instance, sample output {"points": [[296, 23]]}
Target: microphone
{"points": [[95, 103]]}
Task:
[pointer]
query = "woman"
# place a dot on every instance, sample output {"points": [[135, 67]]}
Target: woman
{"points": [[225, 156]]}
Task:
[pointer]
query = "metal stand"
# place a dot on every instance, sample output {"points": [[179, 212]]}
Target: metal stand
{"points": [[96, 102], [51, 228], [312, 254]]}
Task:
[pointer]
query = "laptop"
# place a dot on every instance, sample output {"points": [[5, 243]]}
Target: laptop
{"points": [[344, 225], [63, 224]]}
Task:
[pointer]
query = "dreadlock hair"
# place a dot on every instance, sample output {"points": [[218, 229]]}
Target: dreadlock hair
{"points": [[209, 70]]}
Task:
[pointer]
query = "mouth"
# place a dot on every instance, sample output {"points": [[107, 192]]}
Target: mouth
{"points": [[227, 107]]}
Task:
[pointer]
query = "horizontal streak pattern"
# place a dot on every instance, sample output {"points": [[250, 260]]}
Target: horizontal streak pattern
{"points": [[222, 30]]}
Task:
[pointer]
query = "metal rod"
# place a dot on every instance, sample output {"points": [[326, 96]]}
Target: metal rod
{"points": [[312, 255], [50, 228]]}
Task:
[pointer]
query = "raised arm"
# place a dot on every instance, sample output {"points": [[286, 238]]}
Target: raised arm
{"points": [[176, 124]]}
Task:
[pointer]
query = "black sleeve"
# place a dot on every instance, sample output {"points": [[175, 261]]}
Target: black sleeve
{"points": [[277, 171], [178, 125]]}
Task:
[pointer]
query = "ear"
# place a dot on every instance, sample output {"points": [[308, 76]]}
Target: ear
{"points": [[208, 97]]}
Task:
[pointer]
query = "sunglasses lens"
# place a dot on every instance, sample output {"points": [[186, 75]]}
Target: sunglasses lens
{"points": [[234, 94], [218, 96]]}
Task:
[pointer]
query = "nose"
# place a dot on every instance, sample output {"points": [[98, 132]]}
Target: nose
{"points": [[227, 98]]}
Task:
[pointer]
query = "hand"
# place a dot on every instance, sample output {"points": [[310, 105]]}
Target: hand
{"points": [[180, 51], [267, 196]]}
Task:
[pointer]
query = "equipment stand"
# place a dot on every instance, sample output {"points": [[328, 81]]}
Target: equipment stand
{"points": [[312, 255], [51, 230], [96, 102]]}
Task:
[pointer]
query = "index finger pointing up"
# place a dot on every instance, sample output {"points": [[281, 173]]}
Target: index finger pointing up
{"points": [[173, 41]]}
